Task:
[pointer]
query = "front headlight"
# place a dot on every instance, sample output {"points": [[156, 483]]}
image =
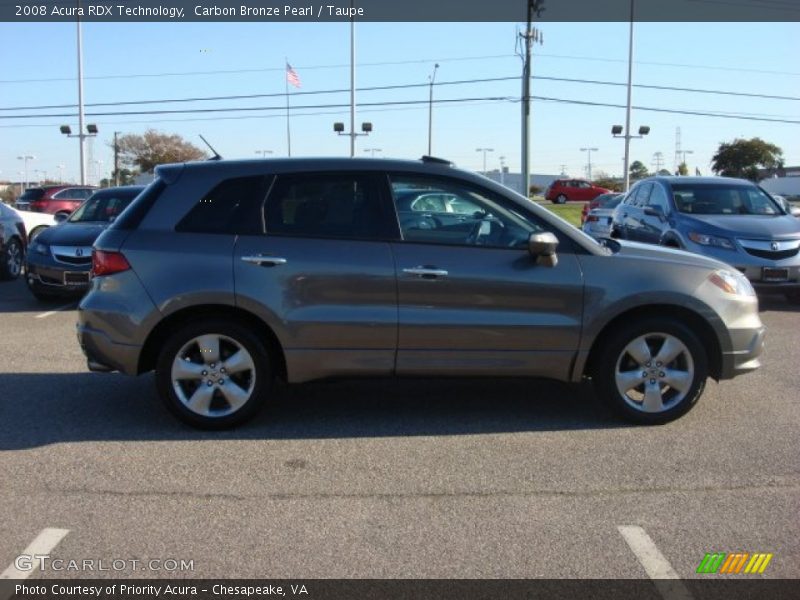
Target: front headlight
{"points": [[711, 240], [41, 249], [732, 282]]}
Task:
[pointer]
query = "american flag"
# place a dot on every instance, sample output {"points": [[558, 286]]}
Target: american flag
{"points": [[292, 76]]}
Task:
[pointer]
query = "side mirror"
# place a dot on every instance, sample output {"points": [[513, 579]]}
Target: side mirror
{"points": [[61, 217], [654, 211], [794, 211], [542, 246]]}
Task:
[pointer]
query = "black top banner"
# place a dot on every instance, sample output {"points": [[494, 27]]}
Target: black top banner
{"points": [[299, 11]]}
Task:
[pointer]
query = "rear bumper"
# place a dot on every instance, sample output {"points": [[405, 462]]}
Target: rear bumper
{"points": [[104, 355], [747, 346]]}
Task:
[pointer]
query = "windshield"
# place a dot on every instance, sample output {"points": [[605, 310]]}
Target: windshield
{"points": [[103, 207], [723, 199]]}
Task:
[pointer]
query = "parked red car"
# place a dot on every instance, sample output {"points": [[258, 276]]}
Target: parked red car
{"points": [[562, 190], [55, 200]]}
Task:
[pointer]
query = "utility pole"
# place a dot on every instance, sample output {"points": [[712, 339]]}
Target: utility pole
{"points": [[116, 158], [531, 35], [589, 161], [658, 161], [430, 110], [563, 170]]}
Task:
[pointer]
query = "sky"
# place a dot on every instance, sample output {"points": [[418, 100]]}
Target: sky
{"points": [[126, 62]]}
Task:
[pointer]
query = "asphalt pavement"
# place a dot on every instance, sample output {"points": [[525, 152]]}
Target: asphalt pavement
{"points": [[389, 479]]}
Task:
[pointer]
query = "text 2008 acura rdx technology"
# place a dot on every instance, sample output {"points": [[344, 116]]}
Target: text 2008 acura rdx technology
{"points": [[224, 275]]}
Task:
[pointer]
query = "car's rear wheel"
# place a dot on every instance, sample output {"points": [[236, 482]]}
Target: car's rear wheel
{"points": [[213, 374], [11, 261], [560, 199], [651, 371]]}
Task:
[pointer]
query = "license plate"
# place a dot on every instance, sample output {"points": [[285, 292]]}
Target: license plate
{"points": [[772, 274], [73, 278]]}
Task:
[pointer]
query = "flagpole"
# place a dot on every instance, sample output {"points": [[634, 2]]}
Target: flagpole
{"points": [[288, 126]]}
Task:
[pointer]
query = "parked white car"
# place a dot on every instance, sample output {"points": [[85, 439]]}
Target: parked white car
{"points": [[35, 223]]}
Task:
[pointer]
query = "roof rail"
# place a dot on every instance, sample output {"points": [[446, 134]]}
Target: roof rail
{"points": [[437, 161]]}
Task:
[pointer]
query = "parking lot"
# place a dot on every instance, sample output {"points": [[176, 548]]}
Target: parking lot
{"points": [[374, 479]]}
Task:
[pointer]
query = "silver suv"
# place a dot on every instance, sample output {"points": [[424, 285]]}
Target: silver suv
{"points": [[224, 275]]}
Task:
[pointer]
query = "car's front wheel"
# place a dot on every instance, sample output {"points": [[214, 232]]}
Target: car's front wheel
{"points": [[651, 371], [213, 374], [560, 199]]}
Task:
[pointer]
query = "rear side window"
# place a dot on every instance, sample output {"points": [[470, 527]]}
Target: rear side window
{"points": [[328, 205], [32, 194], [232, 207]]}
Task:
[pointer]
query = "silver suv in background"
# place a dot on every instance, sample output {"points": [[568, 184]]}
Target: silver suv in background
{"points": [[223, 275]]}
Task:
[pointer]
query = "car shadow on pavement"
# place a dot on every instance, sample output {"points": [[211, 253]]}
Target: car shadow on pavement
{"points": [[38, 409]]}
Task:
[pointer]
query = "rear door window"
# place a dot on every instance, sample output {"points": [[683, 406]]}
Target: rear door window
{"points": [[326, 205], [231, 207]]}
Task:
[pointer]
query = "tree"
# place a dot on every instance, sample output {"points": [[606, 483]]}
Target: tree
{"points": [[125, 178], [154, 148], [638, 170], [664, 172], [743, 158], [683, 170], [8, 195], [607, 182], [534, 190]]}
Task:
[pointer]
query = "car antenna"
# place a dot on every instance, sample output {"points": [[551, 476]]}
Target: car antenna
{"points": [[216, 154]]}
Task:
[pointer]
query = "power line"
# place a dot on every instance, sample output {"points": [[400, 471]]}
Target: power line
{"points": [[405, 86], [410, 103]]}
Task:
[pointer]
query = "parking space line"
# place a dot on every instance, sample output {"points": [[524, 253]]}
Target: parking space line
{"points": [[657, 567], [43, 544], [44, 315]]}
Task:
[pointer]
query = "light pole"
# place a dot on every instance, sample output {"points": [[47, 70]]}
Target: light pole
{"points": [[91, 131], [98, 170], [20, 183], [352, 80], [484, 150], [25, 158], [372, 151], [627, 173], [264, 153], [44, 175], [616, 131], [81, 135], [589, 161], [60, 173], [502, 170], [430, 110]]}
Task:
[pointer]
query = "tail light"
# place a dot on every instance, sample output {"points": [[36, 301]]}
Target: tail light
{"points": [[37, 206], [108, 263], [592, 219]]}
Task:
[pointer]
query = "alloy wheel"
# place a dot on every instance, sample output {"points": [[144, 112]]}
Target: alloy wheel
{"points": [[654, 372], [213, 375]]}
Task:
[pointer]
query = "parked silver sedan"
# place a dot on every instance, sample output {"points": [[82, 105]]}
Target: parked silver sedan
{"points": [[600, 219], [224, 275]]}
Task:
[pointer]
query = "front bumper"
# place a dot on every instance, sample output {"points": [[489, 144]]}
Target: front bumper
{"points": [[48, 275], [744, 356], [753, 267]]}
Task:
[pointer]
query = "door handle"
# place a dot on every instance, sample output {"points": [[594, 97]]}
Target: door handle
{"points": [[264, 261], [426, 272]]}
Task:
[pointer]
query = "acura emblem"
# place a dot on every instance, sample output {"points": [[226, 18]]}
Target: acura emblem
{"points": [[79, 251], [775, 246]]}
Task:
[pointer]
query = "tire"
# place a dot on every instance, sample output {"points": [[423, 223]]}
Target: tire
{"points": [[182, 383], [560, 199], [686, 365], [11, 260]]}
